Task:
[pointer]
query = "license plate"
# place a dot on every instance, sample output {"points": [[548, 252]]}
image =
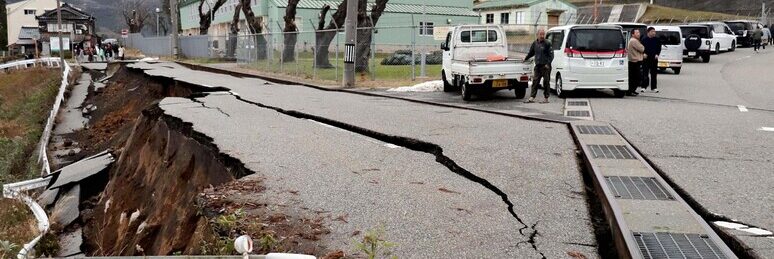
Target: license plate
{"points": [[499, 83], [692, 53], [663, 64], [597, 63]]}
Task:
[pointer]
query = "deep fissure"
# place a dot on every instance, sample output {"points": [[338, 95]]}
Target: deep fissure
{"points": [[416, 145]]}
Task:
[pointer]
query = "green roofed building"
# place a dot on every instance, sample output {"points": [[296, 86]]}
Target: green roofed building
{"points": [[395, 23], [512, 13]]}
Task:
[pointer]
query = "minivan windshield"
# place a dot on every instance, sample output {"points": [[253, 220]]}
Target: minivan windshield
{"points": [[669, 37], [596, 40], [701, 31]]}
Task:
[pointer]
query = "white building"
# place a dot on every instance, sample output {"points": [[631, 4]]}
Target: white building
{"points": [[22, 14], [513, 14]]}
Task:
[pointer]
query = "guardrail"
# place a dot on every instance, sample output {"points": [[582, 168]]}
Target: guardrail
{"points": [[16, 190]]}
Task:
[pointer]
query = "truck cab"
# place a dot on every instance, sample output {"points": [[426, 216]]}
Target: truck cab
{"points": [[475, 60]]}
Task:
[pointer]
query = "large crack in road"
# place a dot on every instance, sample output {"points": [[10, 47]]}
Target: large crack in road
{"points": [[420, 146]]}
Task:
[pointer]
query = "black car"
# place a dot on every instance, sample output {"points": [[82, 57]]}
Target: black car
{"points": [[744, 30], [697, 40]]}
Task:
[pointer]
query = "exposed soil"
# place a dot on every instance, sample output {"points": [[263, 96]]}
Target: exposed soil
{"points": [[17, 225]]}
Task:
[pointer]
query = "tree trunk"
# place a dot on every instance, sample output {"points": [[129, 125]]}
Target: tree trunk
{"points": [[233, 32], [255, 24], [323, 39], [205, 18], [290, 36], [364, 36]]}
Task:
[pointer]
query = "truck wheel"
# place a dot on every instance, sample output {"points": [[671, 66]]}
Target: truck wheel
{"points": [[447, 87], [705, 58], [677, 70], [559, 91], [466, 94], [521, 90]]}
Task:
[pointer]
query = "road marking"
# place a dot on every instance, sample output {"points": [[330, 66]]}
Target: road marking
{"points": [[742, 227], [391, 145], [742, 108], [771, 129]]}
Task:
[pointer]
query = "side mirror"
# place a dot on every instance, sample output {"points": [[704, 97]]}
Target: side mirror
{"points": [[444, 46]]}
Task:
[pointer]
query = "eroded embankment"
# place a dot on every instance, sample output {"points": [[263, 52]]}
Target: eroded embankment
{"points": [[148, 206]]}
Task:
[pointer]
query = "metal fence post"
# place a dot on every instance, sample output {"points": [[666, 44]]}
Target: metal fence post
{"points": [[413, 49], [282, 47], [314, 52], [373, 49], [337, 49]]}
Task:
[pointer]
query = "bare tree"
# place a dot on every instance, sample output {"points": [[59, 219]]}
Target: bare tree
{"points": [[135, 12], [255, 24], [205, 18], [291, 32], [323, 39], [233, 32]]}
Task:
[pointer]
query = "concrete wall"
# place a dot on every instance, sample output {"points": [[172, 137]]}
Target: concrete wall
{"points": [[17, 18]]}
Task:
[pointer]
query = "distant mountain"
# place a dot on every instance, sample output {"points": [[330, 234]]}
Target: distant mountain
{"points": [[106, 12]]}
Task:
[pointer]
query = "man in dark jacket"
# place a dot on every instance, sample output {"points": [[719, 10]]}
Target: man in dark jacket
{"points": [[544, 55], [650, 65]]}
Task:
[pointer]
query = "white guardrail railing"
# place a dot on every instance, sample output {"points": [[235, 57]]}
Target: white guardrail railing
{"points": [[17, 190]]}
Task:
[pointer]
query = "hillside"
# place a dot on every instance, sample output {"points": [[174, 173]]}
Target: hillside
{"points": [[743, 7]]}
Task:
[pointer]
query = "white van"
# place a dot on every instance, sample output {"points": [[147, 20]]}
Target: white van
{"points": [[589, 57], [671, 48]]}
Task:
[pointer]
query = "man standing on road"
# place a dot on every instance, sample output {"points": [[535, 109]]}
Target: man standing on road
{"points": [[652, 51], [757, 36], [635, 50], [544, 55]]}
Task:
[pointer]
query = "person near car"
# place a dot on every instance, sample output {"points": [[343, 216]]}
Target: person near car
{"points": [[544, 55], [757, 36], [650, 64], [635, 50]]}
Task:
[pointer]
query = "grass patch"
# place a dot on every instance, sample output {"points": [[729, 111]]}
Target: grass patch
{"points": [[17, 227], [26, 97], [663, 14]]}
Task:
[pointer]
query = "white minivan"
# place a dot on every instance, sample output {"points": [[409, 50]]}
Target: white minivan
{"points": [[671, 48], [589, 57], [723, 39]]}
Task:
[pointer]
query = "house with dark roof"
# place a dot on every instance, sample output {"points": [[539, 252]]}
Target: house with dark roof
{"points": [[77, 26]]}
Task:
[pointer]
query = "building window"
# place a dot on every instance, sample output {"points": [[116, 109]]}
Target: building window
{"points": [[66, 27], [29, 12], [489, 18], [504, 18], [520, 18], [426, 28]]}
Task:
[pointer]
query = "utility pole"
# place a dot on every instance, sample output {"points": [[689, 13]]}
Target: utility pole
{"points": [[59, 33], [174, 43], [350, 31]]}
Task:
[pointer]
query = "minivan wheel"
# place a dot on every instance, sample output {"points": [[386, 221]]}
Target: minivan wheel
{"points": [[466, 94], [619, 93], [559, 91], [677, 70], [733, 45]]}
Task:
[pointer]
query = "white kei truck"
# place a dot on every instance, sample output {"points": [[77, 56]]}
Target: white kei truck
{"points": [[475, 60]]}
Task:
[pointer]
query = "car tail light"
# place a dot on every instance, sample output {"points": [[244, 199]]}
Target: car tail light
{"points": [[477, 80], [571, 52], [621, 53], [524, 78]]}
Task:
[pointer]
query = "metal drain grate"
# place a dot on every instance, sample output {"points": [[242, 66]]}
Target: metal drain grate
{"points": [[676, 245], [611, 152], [577, 103], [578, 114], [595, 130], [637, 188]]}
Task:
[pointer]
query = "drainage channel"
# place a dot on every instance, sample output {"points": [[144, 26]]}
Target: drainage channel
{"points": [[647, 216]]}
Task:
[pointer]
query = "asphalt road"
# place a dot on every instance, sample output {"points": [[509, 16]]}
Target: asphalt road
{"points": [[693, 130], [344, 169]]}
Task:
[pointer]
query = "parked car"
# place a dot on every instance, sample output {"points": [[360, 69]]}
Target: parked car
{"points": [[697, 41], [671, 48], [628, 27], [744, 30], [467, 63], [589, 57], [723, 37]]}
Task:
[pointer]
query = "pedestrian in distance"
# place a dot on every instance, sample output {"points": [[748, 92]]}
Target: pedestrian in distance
{"points": [[121, 52], [100, 53], [636, 51], [757, 36], [544, 55], [650, 64]]}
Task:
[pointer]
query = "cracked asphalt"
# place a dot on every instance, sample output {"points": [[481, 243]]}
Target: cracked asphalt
{"points": [[366, 164], [693, 131]]}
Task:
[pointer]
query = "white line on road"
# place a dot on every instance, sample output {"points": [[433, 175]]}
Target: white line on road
{"points": [[767, 129], [391, 145], [742, 108]]}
